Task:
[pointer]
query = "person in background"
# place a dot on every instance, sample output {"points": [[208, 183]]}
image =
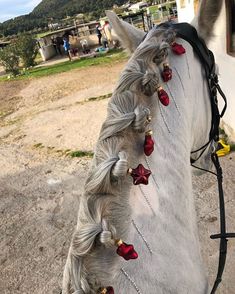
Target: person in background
{"points": [[59, 43], [74, 43], [107, 31], [85, 46], [104, 42], [67, 47], [53, 41], [98, 33]]}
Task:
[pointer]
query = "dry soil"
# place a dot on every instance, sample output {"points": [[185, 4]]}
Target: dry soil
{"points": [[41, 121]]}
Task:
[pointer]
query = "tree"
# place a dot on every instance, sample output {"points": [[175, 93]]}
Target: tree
{"points": [[56, 9], [10, 60], [27, 49]]}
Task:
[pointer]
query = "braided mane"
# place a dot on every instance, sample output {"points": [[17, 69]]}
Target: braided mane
{"points": [[104, 212]]}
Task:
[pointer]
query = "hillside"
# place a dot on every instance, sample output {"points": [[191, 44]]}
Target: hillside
{"points": [[56, 9]]}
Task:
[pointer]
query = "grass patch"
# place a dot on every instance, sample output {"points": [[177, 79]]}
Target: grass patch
{"points": [[232, 147], [3, 114], [38, 145], [223, 135], [106, 96], [97, 98], [60, 152], [37, 72], [10, 122], [81, 154]]}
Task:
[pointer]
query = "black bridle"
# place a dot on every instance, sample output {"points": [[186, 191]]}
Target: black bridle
{"points": [[189, 33]]}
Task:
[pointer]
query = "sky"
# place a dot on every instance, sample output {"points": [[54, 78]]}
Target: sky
{"points": [[12, 8]]}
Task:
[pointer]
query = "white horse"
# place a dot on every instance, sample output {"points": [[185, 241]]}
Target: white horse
{"points": [[159, 219]]}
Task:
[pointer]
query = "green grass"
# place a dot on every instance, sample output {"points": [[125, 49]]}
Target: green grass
{"points": [[3, 114], [224, 136], [37, 72], [81, 154], [38, 145], [97, 98], [67, 152], [153, 8], [232, 147]]}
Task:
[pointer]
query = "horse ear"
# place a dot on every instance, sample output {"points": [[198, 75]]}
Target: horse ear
{"points": [[129, 36], [208, 13]]}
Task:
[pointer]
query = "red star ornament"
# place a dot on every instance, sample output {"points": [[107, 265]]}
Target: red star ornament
{"points": [[140, 175]]}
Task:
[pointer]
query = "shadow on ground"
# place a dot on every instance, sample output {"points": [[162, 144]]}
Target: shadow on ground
{"points": [[37, 221]]}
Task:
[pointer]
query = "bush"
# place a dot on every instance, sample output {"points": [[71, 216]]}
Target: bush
{"points": [[27, 50], [24, 49], [9, 59]]}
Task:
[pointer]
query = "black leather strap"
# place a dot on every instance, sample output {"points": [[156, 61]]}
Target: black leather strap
{"points": [[223, 236], [189, 33]]}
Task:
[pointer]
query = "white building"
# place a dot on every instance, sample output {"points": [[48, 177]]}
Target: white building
{"points": [[81, 31], [223, 46], [137, 6]]}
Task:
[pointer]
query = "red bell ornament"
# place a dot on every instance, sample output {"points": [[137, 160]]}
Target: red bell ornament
{"points": [[167, 73], [140, 175], [127, 251], [163, 96], [148, 143], [108, 290], [177, 48]]}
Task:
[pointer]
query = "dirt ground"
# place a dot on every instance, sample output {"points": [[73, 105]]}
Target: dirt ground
{"points": [[40, 121]]}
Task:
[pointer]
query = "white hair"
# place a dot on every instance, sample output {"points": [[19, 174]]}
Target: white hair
{"points": [[104, 213]]}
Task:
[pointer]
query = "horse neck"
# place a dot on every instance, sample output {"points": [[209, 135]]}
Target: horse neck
{"points": [[164, 210], [173, 128], [170, 166]]}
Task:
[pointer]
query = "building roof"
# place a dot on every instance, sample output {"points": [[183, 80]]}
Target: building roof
{"points": [[68, 28]]}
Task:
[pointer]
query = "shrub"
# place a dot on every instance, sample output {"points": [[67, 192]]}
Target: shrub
{"points": [[27, 50], [9, 59]]}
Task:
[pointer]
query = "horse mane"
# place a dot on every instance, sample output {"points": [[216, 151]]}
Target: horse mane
{"points": [[104, 210]]}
